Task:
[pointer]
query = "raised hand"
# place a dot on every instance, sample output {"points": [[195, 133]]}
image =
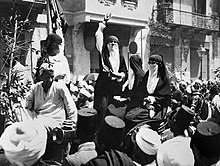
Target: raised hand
{"points": [[107, 17]]}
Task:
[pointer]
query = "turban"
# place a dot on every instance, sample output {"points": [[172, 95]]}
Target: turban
{"points": [[148, 140], [112, 38], [24, 142]]}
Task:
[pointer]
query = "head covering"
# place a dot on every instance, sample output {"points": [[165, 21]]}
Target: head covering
{"points": [[112, 38], [112, 132], [156, 57], [136, 68], [52, 42], [148, 140], [207, 138], [86, 123], [46, 68], [24, 142], [183, 117]]}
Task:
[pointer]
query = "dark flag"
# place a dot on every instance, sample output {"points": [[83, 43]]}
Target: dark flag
{"points": [[57, 16]]}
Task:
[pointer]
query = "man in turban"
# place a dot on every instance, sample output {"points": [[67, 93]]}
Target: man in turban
{"points": [[24, 142], [146, 144]]}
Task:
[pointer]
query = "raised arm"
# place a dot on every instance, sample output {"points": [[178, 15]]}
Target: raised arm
{"points": [[99, 33]]}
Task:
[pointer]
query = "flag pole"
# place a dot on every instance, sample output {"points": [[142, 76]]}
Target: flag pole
{"points": [[49, 22]]}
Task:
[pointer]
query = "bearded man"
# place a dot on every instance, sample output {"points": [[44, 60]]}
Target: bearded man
{"points": [[113, 71]]}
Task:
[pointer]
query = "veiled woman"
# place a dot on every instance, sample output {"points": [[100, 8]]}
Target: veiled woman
{"points": [[153, 90]]}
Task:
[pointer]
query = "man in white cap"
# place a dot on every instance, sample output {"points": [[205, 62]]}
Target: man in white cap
{"points": [[146, 144]]}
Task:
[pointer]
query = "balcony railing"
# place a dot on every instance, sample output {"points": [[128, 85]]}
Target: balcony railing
{"points": [[184, 18]]}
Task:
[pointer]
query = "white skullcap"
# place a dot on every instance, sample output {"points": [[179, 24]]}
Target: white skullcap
{"points": [[148, 140], [24, 142]]}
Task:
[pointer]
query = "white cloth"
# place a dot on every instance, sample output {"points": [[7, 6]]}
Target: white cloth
{"points": [[175, 152], [60, 67], [216, 101], [85, 153], [148, 140], [114, 59], [24, 142], [99, 43], [152, 78], [56, 103]]}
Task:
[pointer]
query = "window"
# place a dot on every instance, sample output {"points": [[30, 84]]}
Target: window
{"points": [[107, 2], [130, 4]]}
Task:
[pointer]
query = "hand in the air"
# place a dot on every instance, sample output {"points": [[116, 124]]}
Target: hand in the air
{"points": [[107, 17]]}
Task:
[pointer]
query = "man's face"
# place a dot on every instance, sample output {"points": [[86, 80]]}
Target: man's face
{"points": [[47, 79], [112, 45]]}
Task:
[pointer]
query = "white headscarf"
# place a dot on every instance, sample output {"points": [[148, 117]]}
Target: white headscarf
{"points": [[152, 78], [148, 140], [24, 142]]}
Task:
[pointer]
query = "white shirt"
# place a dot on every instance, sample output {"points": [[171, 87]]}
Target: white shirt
{"points": [[56, 103]]}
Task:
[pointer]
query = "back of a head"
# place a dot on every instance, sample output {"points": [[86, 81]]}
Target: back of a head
{"points": [[112, 132], [148, 140], [207, 139], [52, 44], [181, 120], [24, 142]]}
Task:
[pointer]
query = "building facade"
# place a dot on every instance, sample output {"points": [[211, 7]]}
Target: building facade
{"points": [[192, 23]]}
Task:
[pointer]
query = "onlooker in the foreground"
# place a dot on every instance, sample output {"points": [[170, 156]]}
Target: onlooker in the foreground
{"points": [[176, 151], [51, 99], [205, 144], [146, 144]]}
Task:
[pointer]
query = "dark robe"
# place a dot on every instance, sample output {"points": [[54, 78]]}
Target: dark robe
{"points": [[137, 113], [106, 88], [111, 158]]}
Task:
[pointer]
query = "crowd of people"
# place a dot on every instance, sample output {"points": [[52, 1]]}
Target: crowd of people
{"points": [[161, 123]]}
